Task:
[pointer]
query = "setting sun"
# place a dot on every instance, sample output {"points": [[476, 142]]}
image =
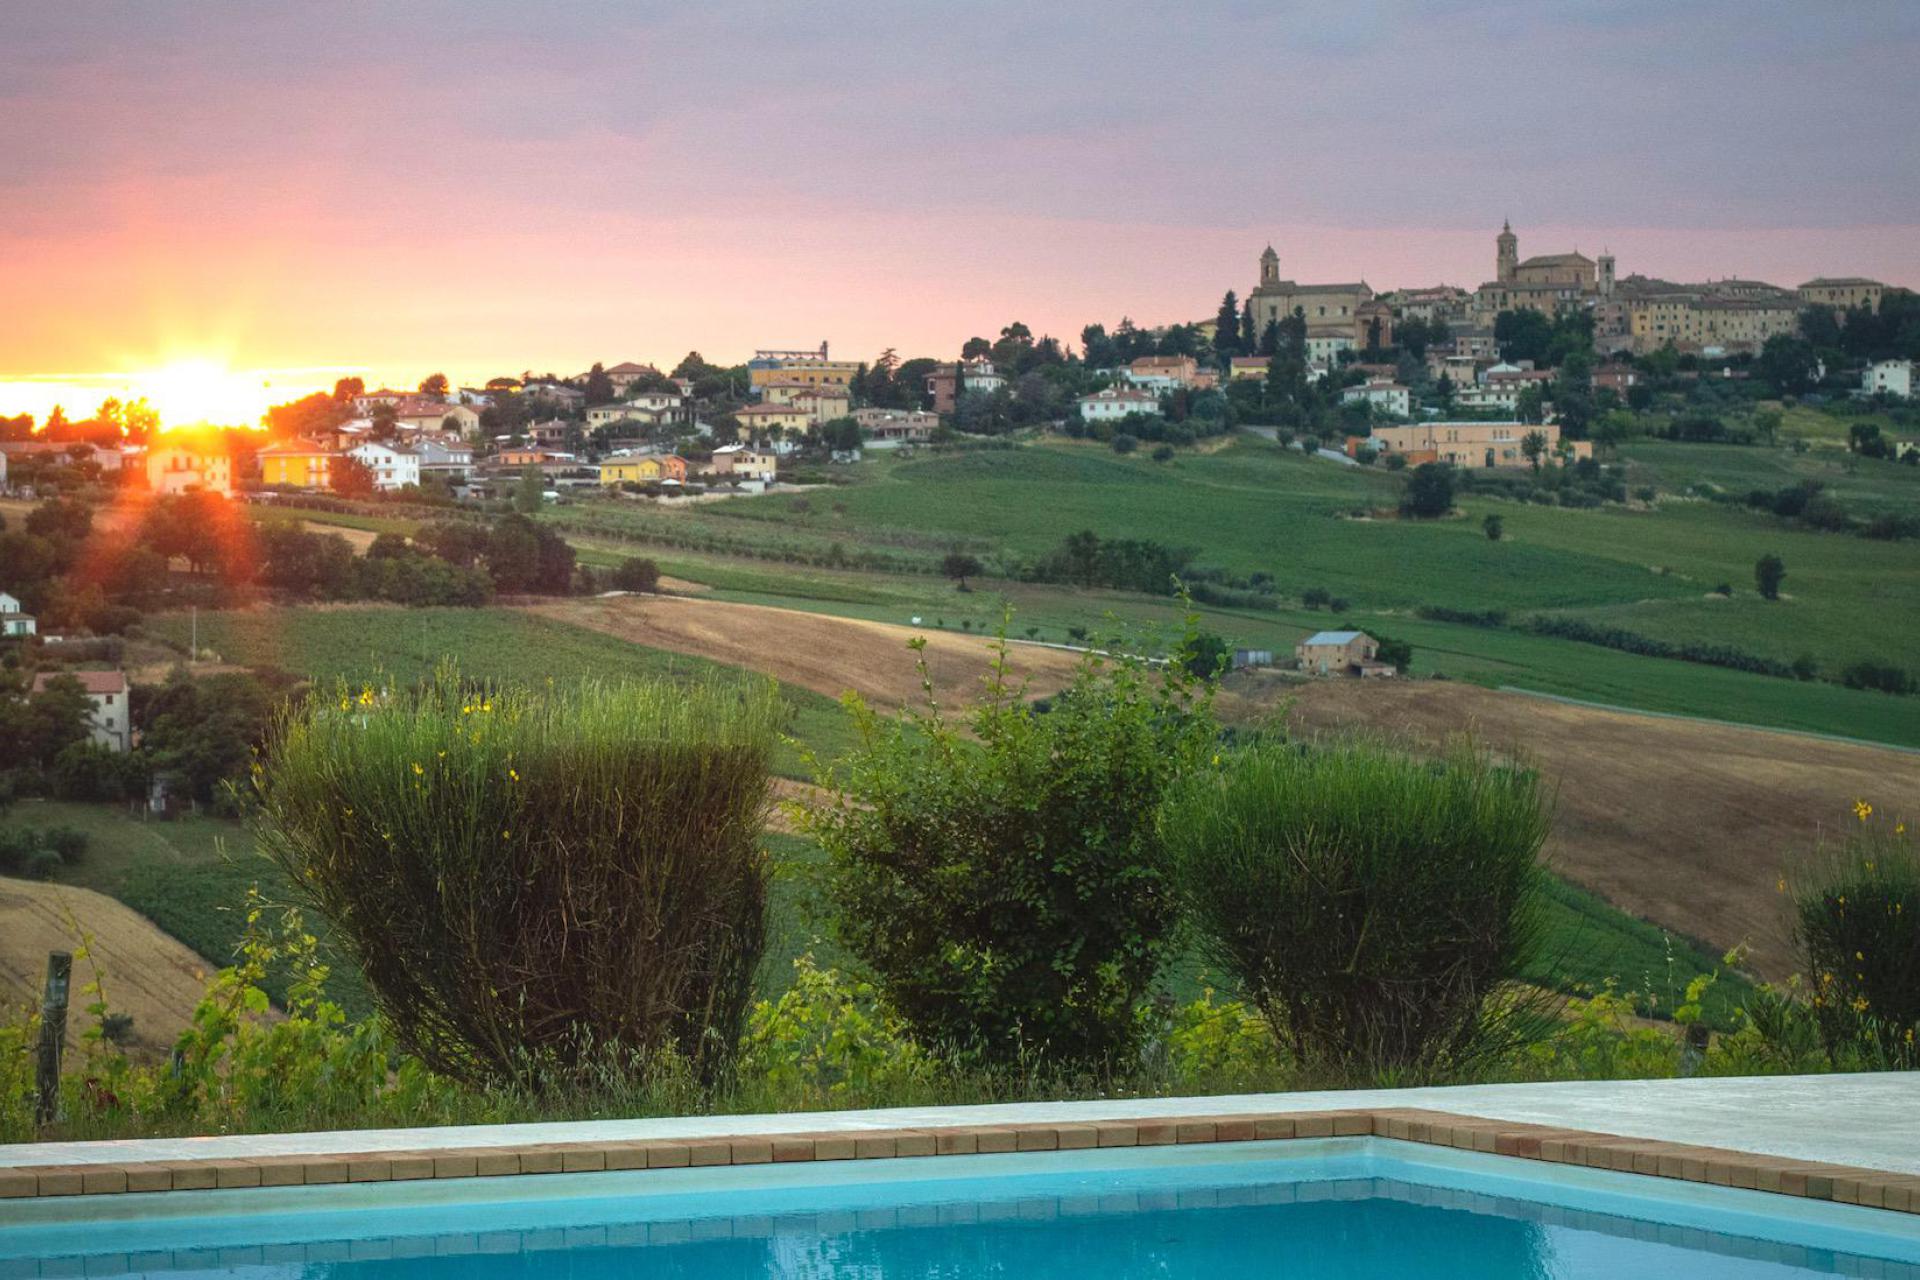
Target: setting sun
{"points": [[195, 392]]}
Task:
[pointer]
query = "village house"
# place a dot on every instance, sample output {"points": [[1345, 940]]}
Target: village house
{"points": [[63, 453], [393, 466], [1474, 446], [1617, 378], [1114, 403], [948, 380], [896, 426], [626, 373], [111, 723], [770, 417], [552, 432], [1163, 373], [367, 401], [556, 394], [423, 413], [446, 456], [822, 404], [15, 624], [1888, 378], [183, 466], [1246, 368], [298, 464], [520, 457], [739, 462], [1384, 397], [644, 468], [1341, 653]]}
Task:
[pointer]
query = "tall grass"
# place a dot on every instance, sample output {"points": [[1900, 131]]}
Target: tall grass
{"points": [[532, 881], [1373, 906]]}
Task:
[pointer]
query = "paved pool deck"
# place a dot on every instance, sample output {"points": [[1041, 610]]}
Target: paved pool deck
{"points": [[1869, 1122]]}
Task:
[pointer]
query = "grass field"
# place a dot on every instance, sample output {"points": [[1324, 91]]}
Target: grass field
{"points": [[367, 643]]}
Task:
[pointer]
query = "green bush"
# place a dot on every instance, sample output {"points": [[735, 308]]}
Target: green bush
{"points": [[1371, 904], [531, 883], [1857, 921], [1002, 877], [827, 1034]]}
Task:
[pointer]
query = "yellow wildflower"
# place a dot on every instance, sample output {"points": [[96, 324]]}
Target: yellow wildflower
{"points": [[1859, 1004], [514, 774], [1781, 884], [1862, 810], [417, 770]]}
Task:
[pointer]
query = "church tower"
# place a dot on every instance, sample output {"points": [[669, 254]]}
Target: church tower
{"points": [[1269, 267], [1507, 260], [1606, 275]]}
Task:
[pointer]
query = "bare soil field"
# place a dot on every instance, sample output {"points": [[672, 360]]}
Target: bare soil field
{"points": [[1685, 823], [144, 972], [827, 655]]}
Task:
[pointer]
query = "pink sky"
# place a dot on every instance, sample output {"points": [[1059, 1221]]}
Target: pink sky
{"points": [[484, 188]]}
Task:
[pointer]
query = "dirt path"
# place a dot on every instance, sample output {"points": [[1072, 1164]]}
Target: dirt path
{"points": [[145, 972], [814, 651], [1688, 824]]}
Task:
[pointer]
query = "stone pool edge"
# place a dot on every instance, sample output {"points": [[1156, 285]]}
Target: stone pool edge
{"points": [[1808, 1179]]}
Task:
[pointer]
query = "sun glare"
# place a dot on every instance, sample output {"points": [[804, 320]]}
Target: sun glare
{"points": [[188, 393]]}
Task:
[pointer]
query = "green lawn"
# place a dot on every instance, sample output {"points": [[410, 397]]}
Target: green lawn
{"points": [[368, 643]]}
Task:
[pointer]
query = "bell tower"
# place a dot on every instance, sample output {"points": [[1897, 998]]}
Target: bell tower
{"points": [[1506, 263], [1269, 267], [1605, 282]]}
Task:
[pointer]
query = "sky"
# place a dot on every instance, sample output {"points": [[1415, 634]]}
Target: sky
{"points": [[256, 199]]}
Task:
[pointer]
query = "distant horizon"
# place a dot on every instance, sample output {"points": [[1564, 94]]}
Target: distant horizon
{"points": [[399, 189]]}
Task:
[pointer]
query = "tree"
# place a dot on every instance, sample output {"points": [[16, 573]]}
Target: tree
{"points": [[346, 389], [960, 566], [434, 384], [349, 477], [1226, 327], [306, 417], [1768, 572], [1429, 493], [599, 385], [1247, 338], [1533, 445], [531, 492], [1495, 528], [1787, 362], [842, 435], [1531, 406], [636, 573]]}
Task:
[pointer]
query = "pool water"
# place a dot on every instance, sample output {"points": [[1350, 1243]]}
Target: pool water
{"points": [[1344, 1214]]}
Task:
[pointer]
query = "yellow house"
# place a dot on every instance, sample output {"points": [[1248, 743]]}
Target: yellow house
{"points": [[812, 370], [644, 469], [299, 464]]}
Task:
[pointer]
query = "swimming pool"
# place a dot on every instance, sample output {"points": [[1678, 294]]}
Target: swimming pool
{"points": [[1332, 1209]]}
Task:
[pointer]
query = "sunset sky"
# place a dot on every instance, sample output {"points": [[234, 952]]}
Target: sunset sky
{"points": [[479, 187]]}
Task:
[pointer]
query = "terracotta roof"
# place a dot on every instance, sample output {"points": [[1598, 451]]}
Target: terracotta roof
{"points": [[1556, 259], [91, 681]]}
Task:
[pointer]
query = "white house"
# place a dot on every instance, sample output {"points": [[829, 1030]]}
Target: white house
{"points": [[442, 455], [980, 375], [14, 623], [111, 724], [1326, 349], [1889, 378], [1386, 397], [1115, 403], [393, 467], [744, 463]]}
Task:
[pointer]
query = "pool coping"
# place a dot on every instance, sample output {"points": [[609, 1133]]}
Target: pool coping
{"points": [[1808, 1179]]}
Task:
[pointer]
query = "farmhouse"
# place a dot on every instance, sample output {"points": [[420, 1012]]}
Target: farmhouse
{"points": [[393, 466], [299, 464], [1115, 403], [739, 462], [897, 426], [1889, 378], [1385, 397], [1475, 446], [13, 623], [1341, 653], [111, 724]]}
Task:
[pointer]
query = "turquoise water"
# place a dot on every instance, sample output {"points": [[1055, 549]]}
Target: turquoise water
{"points": [[1303, 1220]]}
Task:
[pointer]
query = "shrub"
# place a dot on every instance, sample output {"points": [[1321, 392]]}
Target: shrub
{"points": [[1124, 443], [529, 881], [635, 573], [1881, 676], [827, 1036], [1857, 921], [1002, 879], [1163, 453], [1494, 527], [1370, 904], [1429, 492], [1768, 572]]}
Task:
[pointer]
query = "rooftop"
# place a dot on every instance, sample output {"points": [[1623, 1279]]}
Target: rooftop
{"points": [[1333, 637], [91, 681]]}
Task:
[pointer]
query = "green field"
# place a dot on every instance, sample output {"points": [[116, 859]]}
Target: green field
{"points": [[1251, 507], [369, 643]]}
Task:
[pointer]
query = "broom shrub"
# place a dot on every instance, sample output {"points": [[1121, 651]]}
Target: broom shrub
{"points": [[535, 881]]}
